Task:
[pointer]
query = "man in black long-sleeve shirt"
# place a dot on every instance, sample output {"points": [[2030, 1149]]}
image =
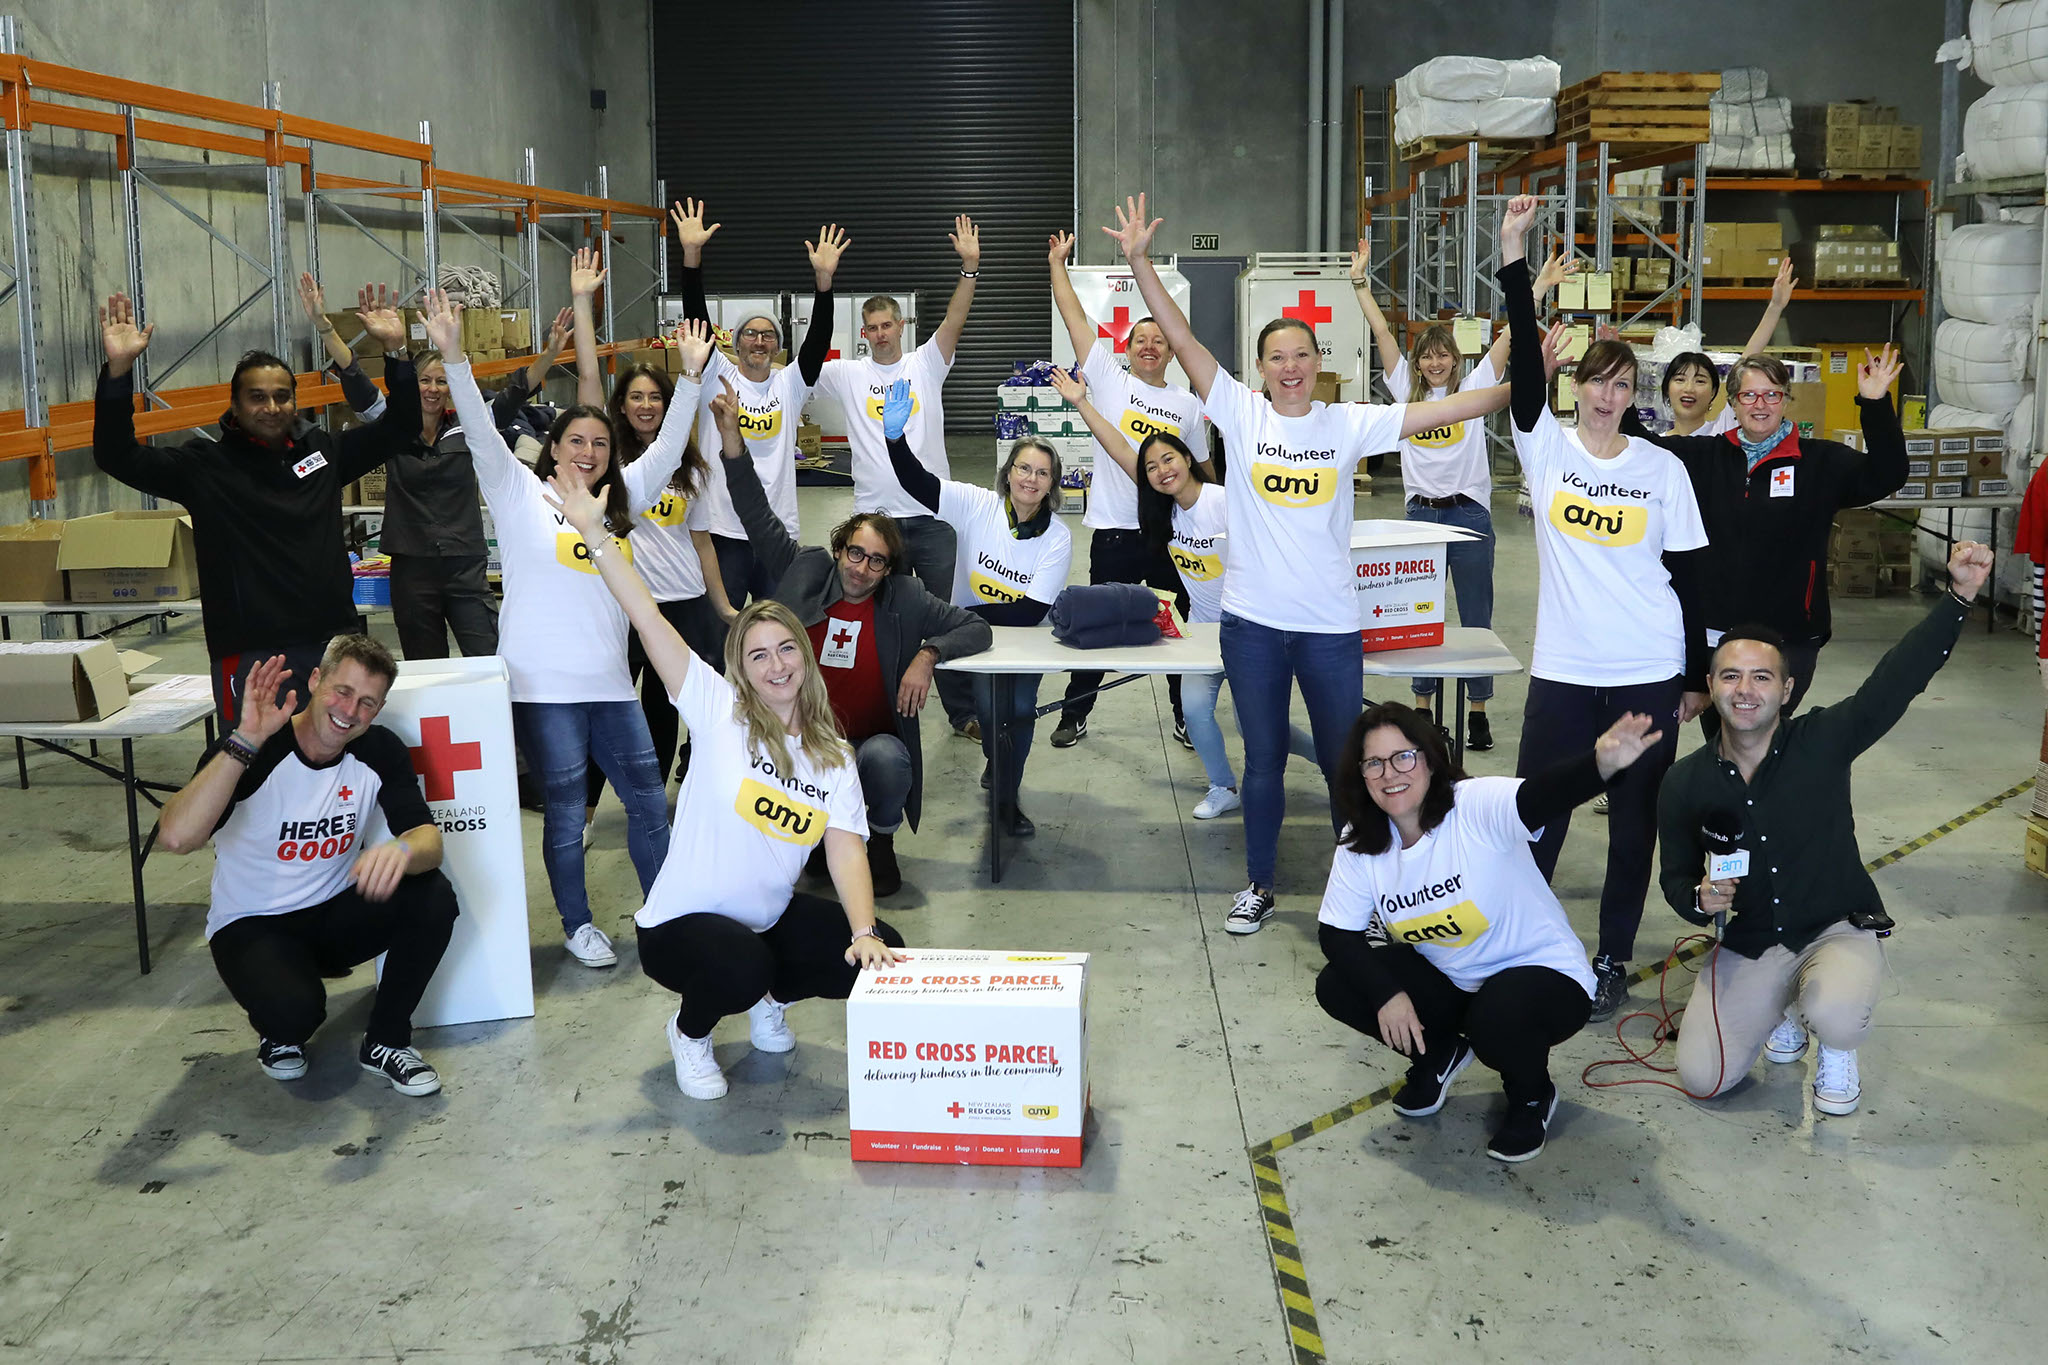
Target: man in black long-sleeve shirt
{"points": [[1791, 949], [265, 498]]}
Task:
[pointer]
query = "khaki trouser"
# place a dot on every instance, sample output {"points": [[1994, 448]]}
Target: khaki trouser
{"points": [[1832, 986]]}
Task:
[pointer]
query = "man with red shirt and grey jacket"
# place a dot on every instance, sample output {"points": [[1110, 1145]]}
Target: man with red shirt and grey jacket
{"points": [[265, 498]]}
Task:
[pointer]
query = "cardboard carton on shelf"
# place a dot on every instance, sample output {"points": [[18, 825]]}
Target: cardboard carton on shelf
{"points": [[59, 681], [1906, 147], [1942, 490], [1995, 487], [28, 562], [515, 330], [1912, 490], [1327, 388], [481, 330], [130, 557], [370, 489], [810, 439]]}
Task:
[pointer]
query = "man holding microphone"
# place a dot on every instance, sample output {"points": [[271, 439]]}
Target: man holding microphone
{"points": [[1803, 917]]}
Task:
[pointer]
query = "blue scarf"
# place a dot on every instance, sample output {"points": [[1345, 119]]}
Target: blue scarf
{"points": [[1756, 452]]}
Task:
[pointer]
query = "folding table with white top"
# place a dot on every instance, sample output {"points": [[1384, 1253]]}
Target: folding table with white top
{"points": [[1467, 652]]}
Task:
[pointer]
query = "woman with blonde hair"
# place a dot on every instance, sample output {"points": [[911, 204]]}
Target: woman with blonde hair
{"points": [[771, 778]]}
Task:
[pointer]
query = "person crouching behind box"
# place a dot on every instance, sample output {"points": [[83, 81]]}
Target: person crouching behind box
{"points": [[296, 894]]}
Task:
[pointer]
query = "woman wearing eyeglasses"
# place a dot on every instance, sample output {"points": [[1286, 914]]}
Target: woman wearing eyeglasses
{"points": [[1444, 939], [1768, 499]]}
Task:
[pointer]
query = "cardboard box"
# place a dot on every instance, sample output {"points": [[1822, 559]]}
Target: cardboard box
{"points": [[1912, 490], [1327, 387], [969, 1058], [1998, 487], [1761, 238], [1398, 578], [1846, 114], [1854, 543], [130, 557], [370, 489], [515, 330], [1951, 469], [1906, 147], [810, 439], [1839, 149], [1942, 489], [1807, 406], [1953, 443], [1851, 437], [28, 562], [1853, 580], [61, 680], [481, 330], [1874, 146]]}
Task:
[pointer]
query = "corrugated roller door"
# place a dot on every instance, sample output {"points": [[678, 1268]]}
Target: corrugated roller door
{"points": [[889, 120]]}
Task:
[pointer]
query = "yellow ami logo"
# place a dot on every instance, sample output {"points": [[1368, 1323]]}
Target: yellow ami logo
{"points": [[1295, 485], [766, 426], [1136, 426], [1437, 438], [1041, 1111], [988, 589], [875, 405], [1457, 927], [1207, 568], [671, 510], [779, 815], [572, 553], [1597, 523]]}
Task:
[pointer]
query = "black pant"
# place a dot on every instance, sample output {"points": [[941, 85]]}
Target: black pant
{"points": [[1512, 1021], [432, 595], [1560, 721], [231, 674], [721, 967], [696, 620], [1800, 661], [273, 964]]}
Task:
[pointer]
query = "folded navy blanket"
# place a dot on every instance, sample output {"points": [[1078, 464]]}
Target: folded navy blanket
{"points": [[1105, 615]]}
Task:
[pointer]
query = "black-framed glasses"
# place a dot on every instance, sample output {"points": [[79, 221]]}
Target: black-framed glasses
{"points": [[1402, 761], [857, 557]]}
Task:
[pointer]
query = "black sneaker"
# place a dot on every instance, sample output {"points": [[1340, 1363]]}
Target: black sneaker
{"points": [[1429, 1081], [882, 868], [407, 1071], [1017, 824], [1069, 733], [1180, 732], [1610, 988], [1478, 734], [281, 1061], [1249, 911], [1522, 1132]]}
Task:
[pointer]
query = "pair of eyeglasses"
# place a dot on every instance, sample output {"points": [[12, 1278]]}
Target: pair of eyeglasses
{"points": [[857, 556], [1753, 396], [1402, 761], [757, 334]]}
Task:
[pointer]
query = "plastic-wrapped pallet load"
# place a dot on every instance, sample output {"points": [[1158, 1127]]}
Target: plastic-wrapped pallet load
{"points": [[1750, 130], [1981, 365], [1991, 272], [1467, 97], [2005, 133], [1500, 118]]}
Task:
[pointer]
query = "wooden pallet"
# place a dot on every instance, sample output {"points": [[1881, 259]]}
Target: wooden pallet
{"points": [[1490, 149], [1879, 173], [1698, 84], [1639, 108]]}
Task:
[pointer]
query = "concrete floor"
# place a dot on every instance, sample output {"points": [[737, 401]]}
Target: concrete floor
{"points": [[559, 1201]]}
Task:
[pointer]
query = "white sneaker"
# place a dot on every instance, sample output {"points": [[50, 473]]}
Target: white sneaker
{"points": [[589, 831], [1600, 804], [589, 946], [697, 1073], [1787, 1043], [767, 1027], [1836, 1090], [1219, 801]]}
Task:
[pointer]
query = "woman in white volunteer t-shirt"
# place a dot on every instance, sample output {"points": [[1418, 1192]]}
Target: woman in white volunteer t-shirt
{"points": [[1444, 940], [770, 779], [1290, 613], [562, 637], [1013, 561], [1619, 625]]}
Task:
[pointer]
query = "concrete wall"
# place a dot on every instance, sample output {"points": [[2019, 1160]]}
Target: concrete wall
{"points": [[489, 90]]}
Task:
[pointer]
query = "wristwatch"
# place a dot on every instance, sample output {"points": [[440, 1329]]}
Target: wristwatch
{"points": [[859, 934]]}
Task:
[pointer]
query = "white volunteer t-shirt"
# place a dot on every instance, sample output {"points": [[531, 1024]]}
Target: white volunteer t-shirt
{"points": [[1467, 896], [1291, 505], [769, 414], [743, 830], [560, 633], [858, 387], [992, 565], [1446, 461], [1606, 615], [662, 549], [1725, 420], [1139, 410], [1198, 549]]}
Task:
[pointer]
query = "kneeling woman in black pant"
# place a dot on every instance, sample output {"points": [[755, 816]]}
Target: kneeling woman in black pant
{"points": [[1444, 941], [770, 777]]}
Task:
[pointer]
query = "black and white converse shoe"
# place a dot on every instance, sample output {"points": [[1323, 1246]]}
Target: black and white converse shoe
{"points": [[281, 1061], [407, 1071]]}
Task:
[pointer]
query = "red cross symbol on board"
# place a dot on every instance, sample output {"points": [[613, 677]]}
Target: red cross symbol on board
{"points": [[840, 638], [1376, 611], [1118, 331], [1307, 310], [954, 1109], [1782, 477], [438, 759], [347, 795]]}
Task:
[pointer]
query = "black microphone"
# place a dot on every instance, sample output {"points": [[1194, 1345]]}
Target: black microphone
{"points": [[1721, 836]]}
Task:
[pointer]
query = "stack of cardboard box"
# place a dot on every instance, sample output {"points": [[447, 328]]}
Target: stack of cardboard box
{"points": [[1849, 254], [1642, 275], [1742, 251], [115, 557], [1858, 138], [1872, 553], [1946, 463]]}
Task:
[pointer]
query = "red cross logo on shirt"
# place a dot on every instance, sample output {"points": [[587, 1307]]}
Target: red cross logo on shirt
{"points": [[1307, 310], [840, 638], [1782, 478], [954, 1109], [438, 759], [347, 795], [1118, 331]]}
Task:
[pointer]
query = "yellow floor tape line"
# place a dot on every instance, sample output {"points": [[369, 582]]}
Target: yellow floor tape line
{"points": [[1299, 1304]]}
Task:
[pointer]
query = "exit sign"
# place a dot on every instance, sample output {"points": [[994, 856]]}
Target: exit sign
{"points": [[1208, 241]]}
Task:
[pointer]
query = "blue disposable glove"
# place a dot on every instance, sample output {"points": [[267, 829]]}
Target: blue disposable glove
{"points": [[896, 409]]}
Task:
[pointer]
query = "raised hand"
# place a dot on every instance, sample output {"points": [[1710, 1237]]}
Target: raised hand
{"points": [[896, 407], [725, 411], [586, 273], [1781, 288], [693, 345], [1058, 247], [688, 216], [966, 240], [1875, 375], [1071, 385], [1361, 266], [311, 297], [380, 317], [825, 253], [1521, 212], [1554, 339], [558, 332], [1133, 233], [1559, 268], [1969, 565], [121, 338], [444, 324], [580, 507], [1627, 740], [263, 714]]}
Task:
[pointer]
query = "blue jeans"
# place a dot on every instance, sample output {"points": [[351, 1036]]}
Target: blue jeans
{"points": [[1263, 664], [1471, 568], [1198, 701], [1019, 734], [561, 739], [883, 762]]}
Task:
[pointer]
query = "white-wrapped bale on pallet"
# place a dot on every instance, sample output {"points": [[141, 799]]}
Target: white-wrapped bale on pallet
{"points": [[1991, 272], [1468, 79], [2009, 41], [1749, 130], [1981, 365], [2005, 133], [1501, 118]]}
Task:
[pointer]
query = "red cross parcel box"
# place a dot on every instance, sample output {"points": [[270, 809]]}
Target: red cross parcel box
{"points": [[456, 717], [969, 1058], [1398, 575]]}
